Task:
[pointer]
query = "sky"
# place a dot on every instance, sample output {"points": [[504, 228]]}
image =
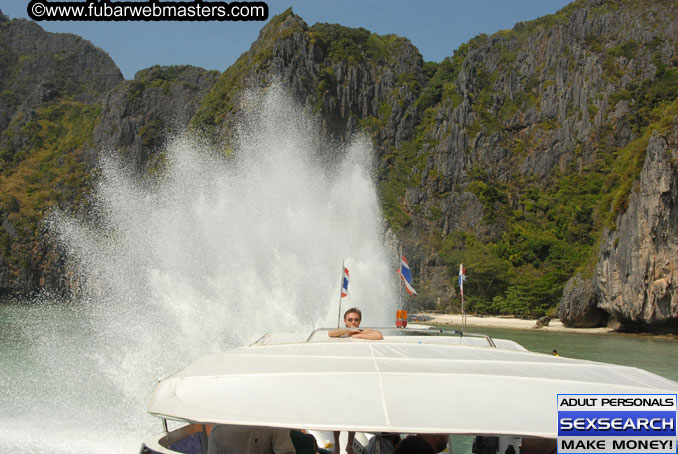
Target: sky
{"points": [[435, 27]]}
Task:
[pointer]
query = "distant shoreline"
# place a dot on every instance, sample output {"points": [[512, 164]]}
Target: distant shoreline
{"points": [[504, 322]]}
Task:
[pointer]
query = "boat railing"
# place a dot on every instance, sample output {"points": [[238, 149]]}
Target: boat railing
{"points": [[429, 331]]}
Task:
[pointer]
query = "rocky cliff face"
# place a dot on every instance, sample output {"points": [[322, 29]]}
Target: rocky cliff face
{"points": [[344, 75], [48, 86], [635, 278], [514, 155], [38, 68], [579, 305], [138, 116], [62, 102], [509, 143], [541, 109]]}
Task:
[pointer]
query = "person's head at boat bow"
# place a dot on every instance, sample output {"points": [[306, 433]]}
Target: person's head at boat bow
{"points": [[352, 319]]}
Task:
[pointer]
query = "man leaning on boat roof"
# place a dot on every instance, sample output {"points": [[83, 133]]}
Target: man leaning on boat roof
{"points": [[352, 319]]}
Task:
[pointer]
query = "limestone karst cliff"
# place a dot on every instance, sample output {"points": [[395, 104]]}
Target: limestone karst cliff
{"points": [[531, 155], [635, 278]]}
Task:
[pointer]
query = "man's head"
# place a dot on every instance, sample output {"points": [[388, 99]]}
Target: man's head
{"points": [[422, 444], [437, 441], [352, 317]]}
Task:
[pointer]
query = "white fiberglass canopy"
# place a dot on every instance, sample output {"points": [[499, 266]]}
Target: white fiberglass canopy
{"points": [[416, 386]]}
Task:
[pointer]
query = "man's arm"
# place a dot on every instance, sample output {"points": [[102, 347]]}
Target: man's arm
{"points": [[342, 332], [371, 334], [349, 443]]}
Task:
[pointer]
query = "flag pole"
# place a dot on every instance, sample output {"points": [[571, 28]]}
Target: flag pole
{"points": [[462, 275], [341, 287], [400, 278]]}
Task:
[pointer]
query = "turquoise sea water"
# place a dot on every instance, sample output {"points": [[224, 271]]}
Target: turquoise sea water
{"points": [[646, 352]]}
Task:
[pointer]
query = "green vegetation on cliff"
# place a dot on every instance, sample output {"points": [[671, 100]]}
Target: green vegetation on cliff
{"points": [[51, 172], [537, 229], [219, 103]]}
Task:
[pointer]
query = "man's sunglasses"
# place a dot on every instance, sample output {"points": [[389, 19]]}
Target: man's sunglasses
{"points": [[353, 319]]}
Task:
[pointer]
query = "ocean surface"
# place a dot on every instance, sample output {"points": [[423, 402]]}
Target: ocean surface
{"points": [[644, 351]]}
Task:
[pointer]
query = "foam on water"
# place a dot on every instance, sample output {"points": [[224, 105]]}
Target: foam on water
{"points": [[221, 248]]}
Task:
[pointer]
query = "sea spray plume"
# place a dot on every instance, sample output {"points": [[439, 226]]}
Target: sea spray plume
{"points": [[215, 251], [317, 203]]}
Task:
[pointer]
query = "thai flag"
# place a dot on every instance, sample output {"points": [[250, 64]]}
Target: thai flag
{"points": [[462, 278], [406, 275], [344, 283]]}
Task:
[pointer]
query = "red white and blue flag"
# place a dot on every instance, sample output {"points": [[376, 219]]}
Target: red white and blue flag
{"points": [[344, 283], [462, 278], [406, 275]]}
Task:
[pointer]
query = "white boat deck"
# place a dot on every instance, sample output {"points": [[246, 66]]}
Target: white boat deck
{"points": [[324, 383]]}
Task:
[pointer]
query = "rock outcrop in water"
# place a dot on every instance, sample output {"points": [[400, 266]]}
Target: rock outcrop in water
{"points": [[579, 305], [517, 155]]}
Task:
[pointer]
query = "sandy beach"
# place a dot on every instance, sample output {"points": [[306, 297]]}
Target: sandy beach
{"points": [[502, 322]]}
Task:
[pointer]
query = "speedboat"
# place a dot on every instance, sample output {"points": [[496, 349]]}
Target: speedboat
{"points": [[466, 384]]}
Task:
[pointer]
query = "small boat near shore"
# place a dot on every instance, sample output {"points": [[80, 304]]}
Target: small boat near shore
{"points": [[479, 386]]}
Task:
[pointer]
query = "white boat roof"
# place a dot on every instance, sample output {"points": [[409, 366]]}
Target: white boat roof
{"points": [[403, 384]]}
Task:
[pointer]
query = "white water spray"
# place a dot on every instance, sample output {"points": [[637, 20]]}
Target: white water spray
{"points": [[219, 250]]}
